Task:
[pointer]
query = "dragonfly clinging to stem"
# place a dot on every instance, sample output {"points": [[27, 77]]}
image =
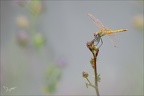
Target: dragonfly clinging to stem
{"points": [[103, 31]]}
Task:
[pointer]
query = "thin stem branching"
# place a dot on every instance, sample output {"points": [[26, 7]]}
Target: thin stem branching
{"points": [[95, 50]]}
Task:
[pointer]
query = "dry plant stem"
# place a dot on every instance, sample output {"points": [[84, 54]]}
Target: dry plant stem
{"points": [[94, 51], [95, 72]]}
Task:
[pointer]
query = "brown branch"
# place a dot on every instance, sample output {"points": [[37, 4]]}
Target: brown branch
{"points": [[95, 52], [95, 72]]}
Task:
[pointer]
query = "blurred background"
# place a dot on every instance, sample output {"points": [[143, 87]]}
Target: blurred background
{"points": [[43, 47]]}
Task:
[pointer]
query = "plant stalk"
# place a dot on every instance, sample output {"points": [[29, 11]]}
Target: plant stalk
{"points": [[95, 72]]}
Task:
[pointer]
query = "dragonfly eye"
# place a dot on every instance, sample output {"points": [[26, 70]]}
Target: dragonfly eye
{"points": [[95, 34]]}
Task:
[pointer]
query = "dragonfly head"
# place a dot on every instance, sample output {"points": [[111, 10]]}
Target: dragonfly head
{"points": [[96, 35]]}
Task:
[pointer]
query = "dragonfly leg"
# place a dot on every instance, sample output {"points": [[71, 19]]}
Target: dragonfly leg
{"points": [[97, 40], [101, 42]]}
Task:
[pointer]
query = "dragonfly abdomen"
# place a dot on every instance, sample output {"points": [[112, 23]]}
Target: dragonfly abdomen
{"points": [[115, 31], [121, 30]]}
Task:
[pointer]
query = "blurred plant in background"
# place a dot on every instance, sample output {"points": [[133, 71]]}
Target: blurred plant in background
{"points": [[138, 22], [138, 19], [30, 25], [22, 38], [53, 75], [29, 36]]}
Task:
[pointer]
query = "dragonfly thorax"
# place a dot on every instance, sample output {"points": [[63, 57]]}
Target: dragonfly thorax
{"points": [[101, 33]]}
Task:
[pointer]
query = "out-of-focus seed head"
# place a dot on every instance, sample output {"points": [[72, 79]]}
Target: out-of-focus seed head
{"points": [[22, 21], [38, 40], [22, 38]]}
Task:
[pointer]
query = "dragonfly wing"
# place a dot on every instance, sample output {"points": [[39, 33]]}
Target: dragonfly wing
{"points": [[97, 22], [113, 39]]}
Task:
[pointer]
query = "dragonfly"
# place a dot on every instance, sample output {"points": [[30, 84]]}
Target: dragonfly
{"points": [[104, 31]]}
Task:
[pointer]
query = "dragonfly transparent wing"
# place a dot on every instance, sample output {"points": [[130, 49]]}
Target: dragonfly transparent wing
{"points": [[113, 39], [97, 22]]}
